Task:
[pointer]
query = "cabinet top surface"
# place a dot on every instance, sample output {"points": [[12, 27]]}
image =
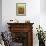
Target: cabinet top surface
{"points": [[19, 23]]}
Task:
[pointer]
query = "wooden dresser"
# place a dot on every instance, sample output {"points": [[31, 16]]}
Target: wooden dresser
{"points": [[22, 33]]}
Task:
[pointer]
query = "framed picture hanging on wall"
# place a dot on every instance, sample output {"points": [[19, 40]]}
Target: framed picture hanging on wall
{"points": [[20, 9]]}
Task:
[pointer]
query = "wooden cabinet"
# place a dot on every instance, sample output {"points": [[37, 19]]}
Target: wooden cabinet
{"points": [[22, 33]]}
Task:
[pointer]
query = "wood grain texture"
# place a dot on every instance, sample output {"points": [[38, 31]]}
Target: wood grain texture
{"points": [[23, 27]]}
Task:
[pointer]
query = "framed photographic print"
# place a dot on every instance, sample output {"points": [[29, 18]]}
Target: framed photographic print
{"points": [[20, 9]]}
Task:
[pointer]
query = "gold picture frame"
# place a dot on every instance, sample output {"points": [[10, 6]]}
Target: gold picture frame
{"points": [[20, 9]]}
